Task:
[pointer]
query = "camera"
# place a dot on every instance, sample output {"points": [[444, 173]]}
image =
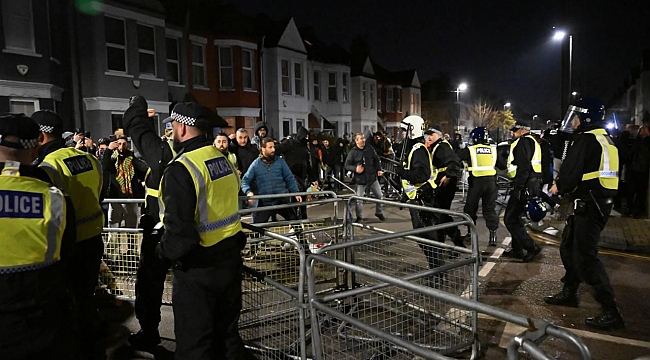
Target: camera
{"points": [[112, 138]]}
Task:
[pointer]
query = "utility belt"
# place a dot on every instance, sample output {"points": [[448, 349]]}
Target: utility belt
{"points": [[581, 205], [204, 257]]}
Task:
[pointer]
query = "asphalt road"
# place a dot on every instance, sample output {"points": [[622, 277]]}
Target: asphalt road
{"points": [[510, 285]]}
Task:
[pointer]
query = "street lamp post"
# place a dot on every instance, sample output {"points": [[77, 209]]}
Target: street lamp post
{"points": [[461, 87], [566, 72], [534, 117], [505, 106]]}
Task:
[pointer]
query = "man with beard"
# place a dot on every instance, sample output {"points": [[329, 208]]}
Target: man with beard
{"points": [[221, 142], [272, 176], [259, 132]]}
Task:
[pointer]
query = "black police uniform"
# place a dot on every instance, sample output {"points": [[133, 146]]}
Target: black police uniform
{"points": [[207, 280], [152, 271], [419, 172], [527, 184], [482, 188], [579, 248], [36, 306], [445, 157]]}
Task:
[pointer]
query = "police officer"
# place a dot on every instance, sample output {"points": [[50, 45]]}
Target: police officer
{"points": [[203, 237], [152, 271], [37, 236], [525, 168], [482, 158], [79, 174], [589, 175], [418, 182], [447, 170]]}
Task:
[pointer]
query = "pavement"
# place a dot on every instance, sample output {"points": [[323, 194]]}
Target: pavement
{"points": [[621, 233]]}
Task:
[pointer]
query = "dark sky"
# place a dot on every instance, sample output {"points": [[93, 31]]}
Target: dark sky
{"points": [[503, 47]]}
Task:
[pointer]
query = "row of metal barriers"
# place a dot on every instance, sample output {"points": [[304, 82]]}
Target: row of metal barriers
{"points": [[330, 288]]}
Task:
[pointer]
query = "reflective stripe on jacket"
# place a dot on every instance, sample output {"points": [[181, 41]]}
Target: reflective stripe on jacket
{"points": [[483, 159], [214, 177], [79, 174], [535, 161], [411, 189], [32, 220], [607, 173]]}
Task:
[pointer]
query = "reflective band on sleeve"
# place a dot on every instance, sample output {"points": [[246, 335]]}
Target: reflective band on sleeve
{"points": [[56, 222], [218, 224], [201, 200], [480, 168], [54, 174]]}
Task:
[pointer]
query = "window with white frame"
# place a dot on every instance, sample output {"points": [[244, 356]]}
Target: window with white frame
{"points": [[115, 35], [346, 128], [299, 123], [198, 64], [389, 100], [398, 100], [317, 85], [147, 50], [344, 86], [116, 121], [371, 95], [226, 76], [286, 127], [18, 21], [248, 66], [286, 77], [364, 95], [173, 60], [24, 106], [297, 79], [332, 90]]}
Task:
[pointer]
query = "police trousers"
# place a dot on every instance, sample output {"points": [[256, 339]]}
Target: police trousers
{"points": [[515, 224], [207, 302], [420, 219], [483, 188], [579, 252], [150, 278], [444, 196]]}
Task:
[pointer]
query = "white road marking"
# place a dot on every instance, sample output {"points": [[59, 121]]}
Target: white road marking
{"points": [[512, 330], [485, 270]]}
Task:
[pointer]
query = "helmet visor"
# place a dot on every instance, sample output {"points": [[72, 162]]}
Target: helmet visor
{"points": [[572, 119]]}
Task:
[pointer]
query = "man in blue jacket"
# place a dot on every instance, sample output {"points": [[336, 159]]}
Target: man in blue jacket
{"points": [[272, 176]]}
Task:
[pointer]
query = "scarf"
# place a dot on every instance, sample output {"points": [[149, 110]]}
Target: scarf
{"points": [[125, 173]]}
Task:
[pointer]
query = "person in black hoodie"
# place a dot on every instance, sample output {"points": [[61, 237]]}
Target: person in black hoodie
{"points": [[296, 153], [260, 131]]}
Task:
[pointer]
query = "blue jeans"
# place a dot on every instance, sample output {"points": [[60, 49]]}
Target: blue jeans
{"points": [[376, 192]]}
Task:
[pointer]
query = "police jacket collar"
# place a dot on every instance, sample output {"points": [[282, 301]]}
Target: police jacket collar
{"points": [[192, 144], [49, 148]]}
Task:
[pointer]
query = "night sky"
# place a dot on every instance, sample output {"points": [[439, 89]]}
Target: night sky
{"points": [[500, 47]]}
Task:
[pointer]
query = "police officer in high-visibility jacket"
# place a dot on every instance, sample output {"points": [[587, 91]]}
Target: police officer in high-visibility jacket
{"points": [[152, 271], [447, 170], [482, 160], [418, 182], [79, 174], [525, 168], [589, 175], [37, 236], [203, 238]]}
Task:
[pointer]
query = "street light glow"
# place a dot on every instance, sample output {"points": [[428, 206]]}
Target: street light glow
{"points": [[462, 87], [507, 104], [574, 93], [559, 35]]}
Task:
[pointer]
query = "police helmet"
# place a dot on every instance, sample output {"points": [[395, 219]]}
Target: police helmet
{"points": [[478, 135], [589, 111], [414, 126], [536, 210]]}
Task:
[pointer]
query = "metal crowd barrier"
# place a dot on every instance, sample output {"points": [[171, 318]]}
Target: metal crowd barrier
{"points": [[330, 288]]}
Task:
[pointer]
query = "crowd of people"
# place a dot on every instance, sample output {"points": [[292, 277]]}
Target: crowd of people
{"points": [[54, 182]]}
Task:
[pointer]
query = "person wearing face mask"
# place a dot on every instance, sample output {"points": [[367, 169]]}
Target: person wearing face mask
{"points": [[296, 153]]}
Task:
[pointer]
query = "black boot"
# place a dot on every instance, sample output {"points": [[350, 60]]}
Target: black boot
{"points": [[493, 238], [608, 319], [567, 297], [457, 239]]}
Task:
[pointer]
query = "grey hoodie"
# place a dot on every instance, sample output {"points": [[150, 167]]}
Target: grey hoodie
{"points": [[256, 140]]}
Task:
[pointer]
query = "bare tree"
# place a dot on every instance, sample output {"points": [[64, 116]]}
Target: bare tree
{"points": [[480, 112]]}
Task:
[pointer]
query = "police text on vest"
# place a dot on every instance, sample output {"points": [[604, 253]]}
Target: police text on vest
{"points": [[20, 204]]}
